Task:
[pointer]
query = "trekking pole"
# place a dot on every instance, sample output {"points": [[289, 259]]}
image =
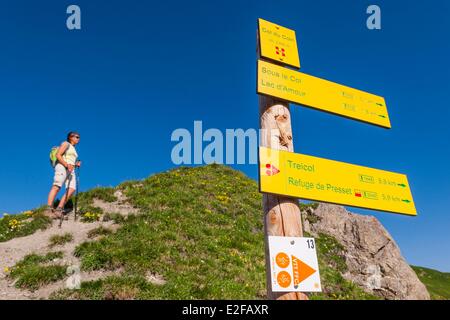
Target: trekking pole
{"points": [[69, 177], [77, 175]]}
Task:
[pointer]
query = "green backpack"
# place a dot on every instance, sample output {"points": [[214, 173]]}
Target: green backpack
{"points": [[53, 153]]}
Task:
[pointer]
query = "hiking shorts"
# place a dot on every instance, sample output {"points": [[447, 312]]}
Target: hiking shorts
{"points": [[61, 177]]}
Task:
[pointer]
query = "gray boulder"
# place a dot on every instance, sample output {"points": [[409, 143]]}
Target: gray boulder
{"points": [[373, 258]]}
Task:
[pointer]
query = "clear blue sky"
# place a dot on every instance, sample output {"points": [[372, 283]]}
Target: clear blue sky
{"points": [[138, 70]]}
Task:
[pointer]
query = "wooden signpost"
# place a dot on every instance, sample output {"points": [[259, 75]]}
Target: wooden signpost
{"points": [[286, 176], [281, 214]]}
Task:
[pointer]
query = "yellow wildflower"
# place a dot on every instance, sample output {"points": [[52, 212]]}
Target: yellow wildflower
{"points": [[14, 224]]}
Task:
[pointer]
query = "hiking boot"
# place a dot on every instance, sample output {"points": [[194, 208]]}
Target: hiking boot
{"points": [[48, 212], [67, 211], [60, 212]]}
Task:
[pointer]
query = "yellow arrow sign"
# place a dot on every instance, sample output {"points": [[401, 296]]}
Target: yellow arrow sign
{"points": [[312, 178], [300, 88], [278, 43]]}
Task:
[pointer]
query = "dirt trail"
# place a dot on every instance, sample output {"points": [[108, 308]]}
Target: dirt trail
{"points": [[120, 206]]}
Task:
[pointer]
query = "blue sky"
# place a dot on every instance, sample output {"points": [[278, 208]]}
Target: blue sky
{"points": [[138, 70]]}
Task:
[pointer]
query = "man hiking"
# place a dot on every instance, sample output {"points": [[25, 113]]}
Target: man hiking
{"points": [[64, 174]]}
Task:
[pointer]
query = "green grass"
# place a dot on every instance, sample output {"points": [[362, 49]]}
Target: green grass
{"points": [[114, 288], [85, 210], [202, 230], [30, 273], [116, 217], [437, 283], [23, 224], [97, 232], [103, 193], [59, 240]]}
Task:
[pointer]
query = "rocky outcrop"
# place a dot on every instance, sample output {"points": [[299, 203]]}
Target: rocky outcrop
{"points": [[373, 258]]}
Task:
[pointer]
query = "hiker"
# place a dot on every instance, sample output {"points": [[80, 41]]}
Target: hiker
{"points": [[66, 161]]}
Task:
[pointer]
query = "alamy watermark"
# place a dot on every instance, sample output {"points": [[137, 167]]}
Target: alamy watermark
{"points": [[73, 21], [73, 282], [232, 146], [374, 20]]}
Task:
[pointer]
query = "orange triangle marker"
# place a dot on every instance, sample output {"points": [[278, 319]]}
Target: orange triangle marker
{"points": [[300, 270]]}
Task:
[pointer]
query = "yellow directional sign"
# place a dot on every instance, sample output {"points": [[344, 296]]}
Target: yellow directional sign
{"points": [[300, 88], [278, 43], [312, 178]]}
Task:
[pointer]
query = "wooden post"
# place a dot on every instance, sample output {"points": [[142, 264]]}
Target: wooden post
{"points": [[281, 214]]}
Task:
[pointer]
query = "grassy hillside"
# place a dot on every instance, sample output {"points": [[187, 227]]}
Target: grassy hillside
{"points": [[200, 229], [200, 232], [22, 224], [437, 283]]}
